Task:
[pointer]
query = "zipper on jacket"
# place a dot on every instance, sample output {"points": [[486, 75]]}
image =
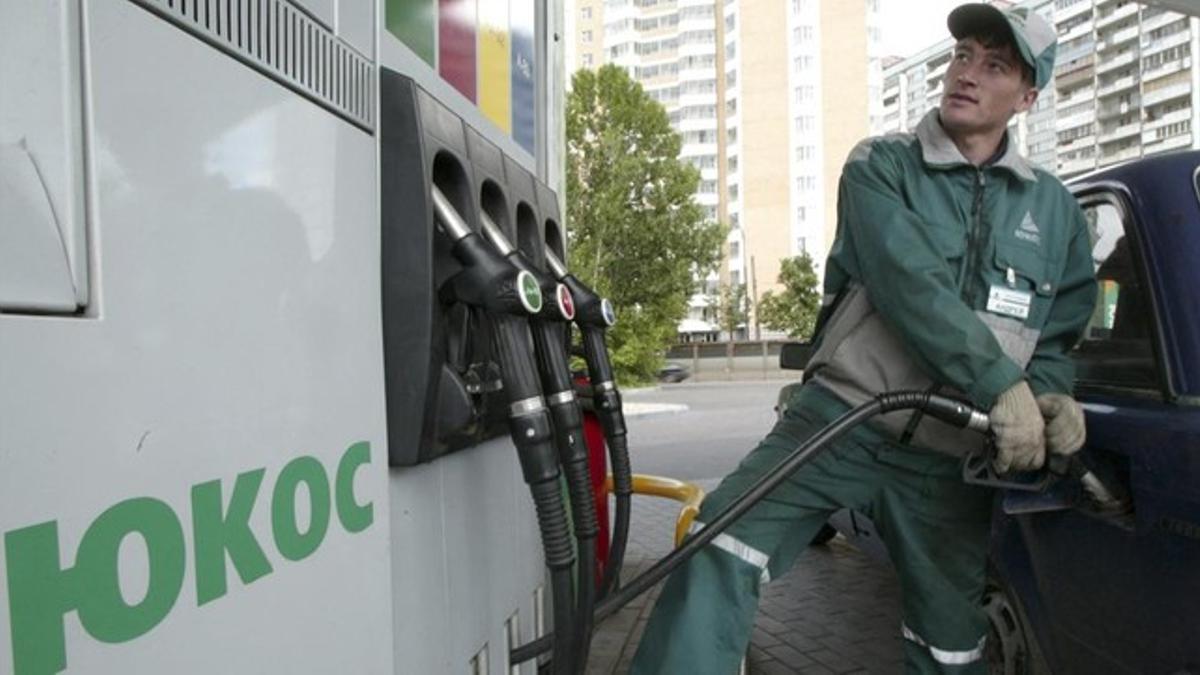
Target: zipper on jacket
{"points": [[973, 229], [966, 273]]}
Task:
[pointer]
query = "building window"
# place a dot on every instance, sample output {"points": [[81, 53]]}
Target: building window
{"points": [[802, 34], [802, 244], [805, 153], [587, 37], [585, 13], [802, 63], [801, 215], [735, 249], [733, 164], [733, 193], [587, 60]]}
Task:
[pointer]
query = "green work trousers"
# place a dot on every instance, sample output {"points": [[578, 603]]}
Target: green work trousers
{"points": [[935, 527]]}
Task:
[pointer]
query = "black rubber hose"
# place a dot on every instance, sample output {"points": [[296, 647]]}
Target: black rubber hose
{"points": [[606, 401], [762, 487], [946, 409], [532, 433], [573, 455], [618, 453]]}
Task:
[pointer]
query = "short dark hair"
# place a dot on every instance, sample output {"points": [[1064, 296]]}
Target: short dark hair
{"points": [[995, 37]]}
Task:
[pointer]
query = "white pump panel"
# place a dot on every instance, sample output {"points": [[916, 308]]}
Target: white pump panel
{"points": [[43, 234]]}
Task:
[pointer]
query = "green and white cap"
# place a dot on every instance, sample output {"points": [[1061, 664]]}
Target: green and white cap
{"points": [[1035, 38]]}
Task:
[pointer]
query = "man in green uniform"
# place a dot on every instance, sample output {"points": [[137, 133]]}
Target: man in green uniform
{"points": [[957, 268]]}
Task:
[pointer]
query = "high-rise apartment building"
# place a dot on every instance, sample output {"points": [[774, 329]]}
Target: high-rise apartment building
{"points": [[769, 97], [1126, 85]]}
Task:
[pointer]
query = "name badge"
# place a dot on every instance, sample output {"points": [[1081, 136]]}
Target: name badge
{"points": [[1009, 302]]}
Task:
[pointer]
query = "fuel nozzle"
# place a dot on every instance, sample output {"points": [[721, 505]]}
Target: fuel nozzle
{"points": [[549, 328], [490, 282], [594, 315]]}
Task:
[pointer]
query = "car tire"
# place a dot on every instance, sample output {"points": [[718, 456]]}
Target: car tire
{"points": [[1011, 648], [823, 535]]}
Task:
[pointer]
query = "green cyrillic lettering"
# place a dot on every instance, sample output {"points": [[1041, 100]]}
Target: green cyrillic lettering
{"points": [[102, 611], [354, 517], [39, 594], [293, 544], [216, 532]]}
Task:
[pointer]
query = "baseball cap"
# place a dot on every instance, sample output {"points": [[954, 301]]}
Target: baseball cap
{"points": [[1036, 40]]}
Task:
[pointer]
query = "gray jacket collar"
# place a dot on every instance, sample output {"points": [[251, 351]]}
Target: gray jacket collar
{"points": [[939, 151]]}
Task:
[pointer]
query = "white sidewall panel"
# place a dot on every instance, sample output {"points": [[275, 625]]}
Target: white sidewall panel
{"points": [[237, 240]]}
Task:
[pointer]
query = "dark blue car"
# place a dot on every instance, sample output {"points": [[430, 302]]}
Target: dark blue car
{"points": [[1082, 591], [1078, 588]]}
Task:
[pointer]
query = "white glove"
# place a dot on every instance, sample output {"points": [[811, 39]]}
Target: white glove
{"points": [[1019, 430], [1065, 431]]}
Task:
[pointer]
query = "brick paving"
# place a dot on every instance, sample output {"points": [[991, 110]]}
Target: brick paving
{"points": [[836, 611]]}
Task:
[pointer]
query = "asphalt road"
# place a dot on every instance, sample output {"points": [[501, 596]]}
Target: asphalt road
{"points": [[724, 421]]}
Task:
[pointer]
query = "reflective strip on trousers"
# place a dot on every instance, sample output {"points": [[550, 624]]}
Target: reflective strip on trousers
{"points": [[945, 656], [739, 549]]}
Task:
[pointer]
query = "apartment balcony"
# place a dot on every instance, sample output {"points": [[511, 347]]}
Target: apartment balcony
{"points": [[1077, 144], [938, 72], [1086, 95], [1123, 60], [1166, 94], [1151, 47], [1118, 38], [1150, 126], [1119, 133], [1127, 10], [1132, 152], [1167, 69], [1077, 31], [1064, 15], [1176, 142], [1121, 85], [1117, 109], [1073, 167], [1075, 74], [1079, 119], [1164, 19]]}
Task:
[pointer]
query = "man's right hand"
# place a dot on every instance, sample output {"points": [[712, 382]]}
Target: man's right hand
{"points": [[1019, 430]]}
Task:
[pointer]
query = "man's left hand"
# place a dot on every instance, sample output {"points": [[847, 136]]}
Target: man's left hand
{"points": [[1065, 430]]}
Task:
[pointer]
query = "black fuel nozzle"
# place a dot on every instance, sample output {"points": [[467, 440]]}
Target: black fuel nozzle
{"points": [[594, 315], [549, 328]]}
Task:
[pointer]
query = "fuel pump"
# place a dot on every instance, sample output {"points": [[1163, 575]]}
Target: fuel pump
{"points": [[490, 282], [547, 327], [594, 316]]}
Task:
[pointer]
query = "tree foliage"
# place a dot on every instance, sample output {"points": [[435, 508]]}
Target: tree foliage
{"points": [[732, 308], [793, 310], [636, 234]]}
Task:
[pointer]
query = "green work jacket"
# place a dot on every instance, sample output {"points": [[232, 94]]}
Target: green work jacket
{"points": [[951, 277]]}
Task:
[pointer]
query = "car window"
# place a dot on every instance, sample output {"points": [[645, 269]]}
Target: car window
{"points": [[1117, 349]]}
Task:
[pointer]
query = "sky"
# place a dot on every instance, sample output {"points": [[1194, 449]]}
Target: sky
{"points": [[908, 26]]}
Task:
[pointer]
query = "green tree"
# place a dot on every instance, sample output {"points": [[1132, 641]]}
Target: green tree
{"points": [[636, 234], [732, 310], [794, 309]]}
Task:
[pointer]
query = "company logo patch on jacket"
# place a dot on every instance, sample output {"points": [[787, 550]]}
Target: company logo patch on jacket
{"points": [[1028, 230]]}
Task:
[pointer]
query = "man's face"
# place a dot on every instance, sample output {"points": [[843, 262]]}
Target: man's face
{"points": [[984, 88]]}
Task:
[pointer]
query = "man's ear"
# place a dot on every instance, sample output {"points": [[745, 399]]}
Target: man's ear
{"points": [[1026, 101]]}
